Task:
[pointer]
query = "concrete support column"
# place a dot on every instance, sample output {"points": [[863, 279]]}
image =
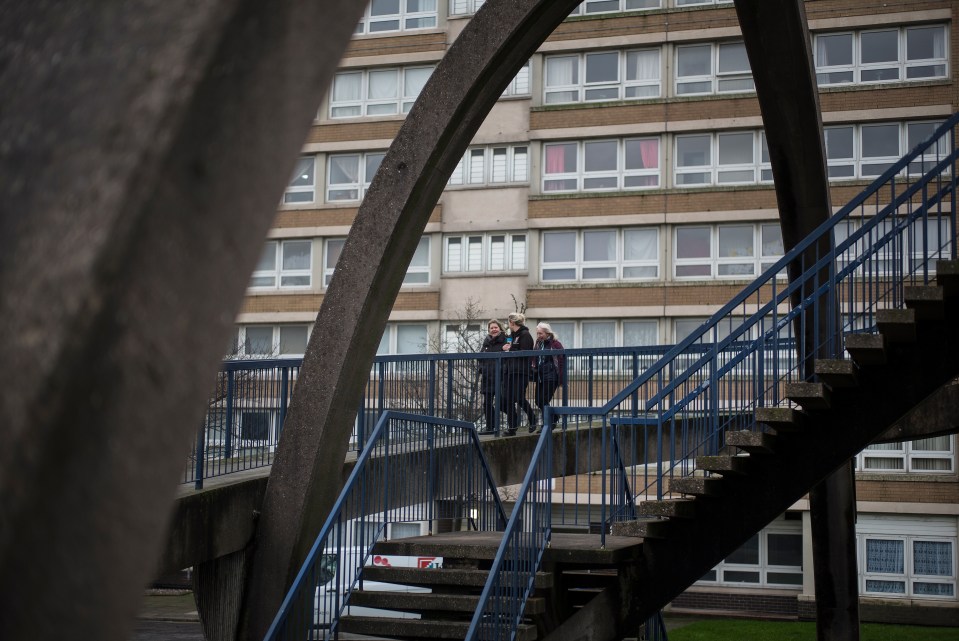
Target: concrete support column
{"points": [[832, 507]]}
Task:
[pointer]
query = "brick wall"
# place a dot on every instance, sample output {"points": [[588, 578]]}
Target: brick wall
{"points": [[339, 217], [756, 602], [276, 303], [907, 491]]}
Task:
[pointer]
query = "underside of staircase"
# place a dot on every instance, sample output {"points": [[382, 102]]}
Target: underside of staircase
{"points": [[583, 591]]}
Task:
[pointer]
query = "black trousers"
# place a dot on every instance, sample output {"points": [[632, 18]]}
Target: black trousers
{"points": [[514, 398], [544, 395], [490, 408]]}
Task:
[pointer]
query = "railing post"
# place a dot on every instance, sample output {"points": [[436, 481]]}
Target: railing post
{"points": [[284, 394], [431, 404], [604, 467], [200, 455], [228, 446], [431, 479], [498, 404], [449, 388]]}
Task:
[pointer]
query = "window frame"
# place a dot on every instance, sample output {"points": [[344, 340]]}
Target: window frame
{"points": [[411, 270], [278, 273], [402, 18], [485, 252], [759, 260], [580, 175], [908, 578], [858, 162], [763, 568], [619, 263], [909, 454], [581, 86], [276, 338], [622, 6], [362, 182], [715, 78], [301, 189], [517, 167], [402, 101], [760, 166], [902, 64], [391, 333]]}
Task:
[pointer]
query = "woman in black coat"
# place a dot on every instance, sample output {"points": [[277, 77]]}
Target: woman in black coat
{"points": [[494, 342], [516, 374], [549, 370]]}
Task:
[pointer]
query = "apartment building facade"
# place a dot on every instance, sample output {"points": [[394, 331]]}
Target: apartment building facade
{"points": [[621, 190]]}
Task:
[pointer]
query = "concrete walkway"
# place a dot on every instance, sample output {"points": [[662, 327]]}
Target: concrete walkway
{"points": [[168, 614]]}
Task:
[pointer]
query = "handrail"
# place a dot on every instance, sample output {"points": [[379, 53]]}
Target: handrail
{"points": [[346, 540], [525, 539]]}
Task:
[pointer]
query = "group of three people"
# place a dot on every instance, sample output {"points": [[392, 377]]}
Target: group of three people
{"points": [[546, 370]]}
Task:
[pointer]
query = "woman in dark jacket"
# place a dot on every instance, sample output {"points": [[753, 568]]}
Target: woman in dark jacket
{"points": [[548, 369], [494, 342], [516, 374]]}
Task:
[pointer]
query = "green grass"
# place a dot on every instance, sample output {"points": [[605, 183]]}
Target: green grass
{"points": [[742, 630]]}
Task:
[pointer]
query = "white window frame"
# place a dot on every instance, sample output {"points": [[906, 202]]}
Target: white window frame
{"points": [[618, 264], [581, 88], [465, 7], [520, 85], [279, 273], [715, 78], [413, 273], [405, 20], [697, 3], [593, 7], [621, 174], [362, 182], [715, 172], [475, 252], [478, 167], [856, 69], [240, 334], [758, 259], [858, 163], [908, 577], [763, 568], [400, 103], [292, 192], [390, 336], [907, 454]]}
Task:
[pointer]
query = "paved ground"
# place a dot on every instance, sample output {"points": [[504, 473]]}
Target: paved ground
{"points": [[168, 614]]}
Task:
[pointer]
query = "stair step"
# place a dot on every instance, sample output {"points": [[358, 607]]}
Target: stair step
{"points": [[419, 628], [811, 396], [897, 325], [929, 301], [437, 577], [866, 349], [644, 528], [947, 275], [698, 486], [724, 464], [431, 602], [781, 419], [836, 372], [670, 508], [752, 442]]}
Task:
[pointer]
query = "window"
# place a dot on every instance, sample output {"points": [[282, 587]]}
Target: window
{"points": [[726, 251], [600, 254], [589, 7], [602, 75], [607, 333], [376, 92], [349, 175], [519, 85], [907, 557], [934, 455], [465, 7], [772, 557], [881, 55], [868, 150], [491, 252], [397, 15], [284, 263], [492, 165], [404, 338], [693, 3], [712, 68], [601, 165], [302, 187], [418, 272], [726, 158], [463, 338], [271, 341]]}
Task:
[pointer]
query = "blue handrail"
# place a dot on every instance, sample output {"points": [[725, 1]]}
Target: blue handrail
{"points": [[394, 458]]}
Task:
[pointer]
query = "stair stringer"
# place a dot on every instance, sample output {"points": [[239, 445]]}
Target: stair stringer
{"points": [[776, 481]]}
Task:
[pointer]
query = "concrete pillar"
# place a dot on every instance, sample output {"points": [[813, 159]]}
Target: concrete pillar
{"points": [[832, 506]]}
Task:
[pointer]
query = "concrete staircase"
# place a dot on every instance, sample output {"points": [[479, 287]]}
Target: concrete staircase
{"points": [[574, 570], [758, 475]]}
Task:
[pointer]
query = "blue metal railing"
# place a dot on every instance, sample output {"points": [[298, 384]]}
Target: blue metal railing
{"points": [[246, 410], [887, 238], [513, 572], [397, 478]]}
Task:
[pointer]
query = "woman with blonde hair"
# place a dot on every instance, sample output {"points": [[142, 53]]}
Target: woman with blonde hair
{"points": [[548, 369]]}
